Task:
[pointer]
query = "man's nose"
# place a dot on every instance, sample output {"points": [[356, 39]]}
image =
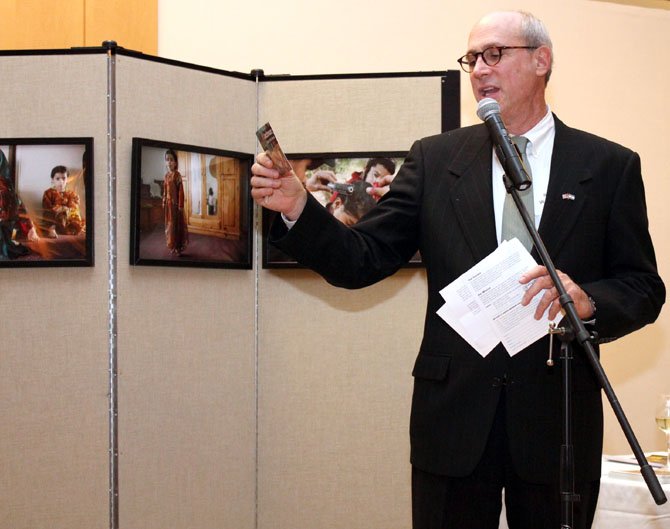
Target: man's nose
{"points": [[480, 66]]}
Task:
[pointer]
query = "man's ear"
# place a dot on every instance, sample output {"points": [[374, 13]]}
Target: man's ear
{"points": [[542, 60]]}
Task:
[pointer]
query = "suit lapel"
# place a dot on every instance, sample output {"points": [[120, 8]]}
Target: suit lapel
{"points": [[567, 191], [472, 194]]}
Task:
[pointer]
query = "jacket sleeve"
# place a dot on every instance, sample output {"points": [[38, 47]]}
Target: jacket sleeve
{"points": [[630, 293]]}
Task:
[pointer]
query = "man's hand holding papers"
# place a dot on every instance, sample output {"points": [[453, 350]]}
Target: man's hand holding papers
{"points": [[484, 304]]}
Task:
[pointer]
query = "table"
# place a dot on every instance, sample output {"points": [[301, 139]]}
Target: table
{"points": [[624, 501]]}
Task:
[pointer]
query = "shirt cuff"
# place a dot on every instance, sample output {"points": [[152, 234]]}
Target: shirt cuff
{"points": [[289, 223]]}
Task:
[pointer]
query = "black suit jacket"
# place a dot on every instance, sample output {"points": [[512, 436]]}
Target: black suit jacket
{"points": [[441, 204]]}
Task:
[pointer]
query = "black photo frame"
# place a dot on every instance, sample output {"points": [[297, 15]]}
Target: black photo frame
{"points": [[46, 202], [216, 200], [351, 173]]}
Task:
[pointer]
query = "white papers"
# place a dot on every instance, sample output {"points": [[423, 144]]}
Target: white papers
{"points": [[484, 304]]}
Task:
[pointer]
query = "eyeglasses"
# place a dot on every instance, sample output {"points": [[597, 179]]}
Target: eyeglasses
{"points": [[491, 56]]}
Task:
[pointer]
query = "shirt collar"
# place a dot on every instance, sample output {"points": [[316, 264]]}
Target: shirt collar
{"points": [[540, 133]]}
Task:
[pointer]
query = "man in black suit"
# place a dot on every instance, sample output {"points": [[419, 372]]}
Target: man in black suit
{"points": [[483, 424]]}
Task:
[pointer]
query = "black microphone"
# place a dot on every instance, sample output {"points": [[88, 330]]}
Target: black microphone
{"points": [[488, 111]]}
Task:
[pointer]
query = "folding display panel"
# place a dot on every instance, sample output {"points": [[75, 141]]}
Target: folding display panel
{"points": [[334, 366], [183, 396], [187, 392]]}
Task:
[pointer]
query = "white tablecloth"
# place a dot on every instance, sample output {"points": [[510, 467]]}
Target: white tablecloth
{"points": [[625, 502]]}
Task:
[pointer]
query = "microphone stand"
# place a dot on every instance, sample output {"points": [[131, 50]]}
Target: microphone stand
{"points": [[577, 330]]}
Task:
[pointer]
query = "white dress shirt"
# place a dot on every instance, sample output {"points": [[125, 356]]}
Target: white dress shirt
{"points": [[538, 154]]}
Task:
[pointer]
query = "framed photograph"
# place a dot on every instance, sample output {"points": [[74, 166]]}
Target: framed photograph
{"points": [[190, 206], [347, 184], [46, 202]]}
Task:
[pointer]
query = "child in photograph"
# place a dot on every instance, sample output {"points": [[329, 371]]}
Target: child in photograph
{"points": [[176, 231], [61, 206], [379, 173]]}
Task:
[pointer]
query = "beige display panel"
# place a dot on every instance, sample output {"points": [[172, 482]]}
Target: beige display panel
{"points": [[54, 353], [335, 365], [187, 388]]}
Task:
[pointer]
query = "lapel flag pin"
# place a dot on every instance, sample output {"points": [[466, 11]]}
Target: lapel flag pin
{"points": [[568, 196]]}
